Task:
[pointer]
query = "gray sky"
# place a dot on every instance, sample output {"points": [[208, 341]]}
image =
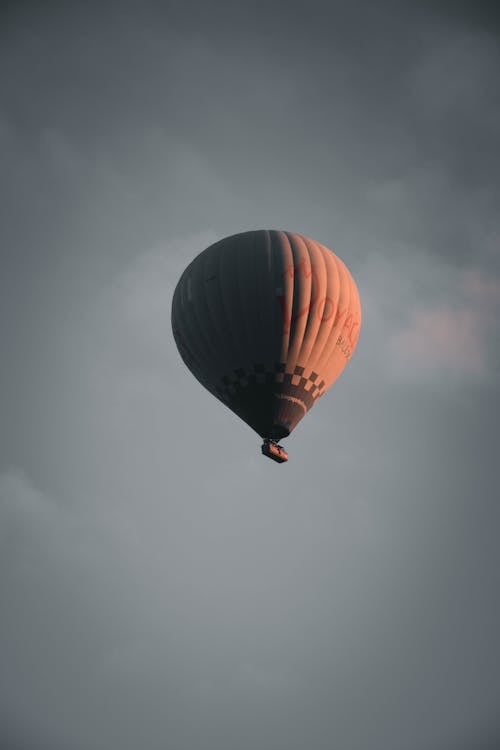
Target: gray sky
{"points": [[155, 597]]}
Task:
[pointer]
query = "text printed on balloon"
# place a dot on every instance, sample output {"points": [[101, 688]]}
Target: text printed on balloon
{"points": [[325, 307]]}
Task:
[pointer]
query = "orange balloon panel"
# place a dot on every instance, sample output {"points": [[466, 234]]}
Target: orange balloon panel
{"points": [[266, 321]]}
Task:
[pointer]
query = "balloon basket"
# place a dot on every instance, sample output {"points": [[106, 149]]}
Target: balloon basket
{"points": [[272, 450]]}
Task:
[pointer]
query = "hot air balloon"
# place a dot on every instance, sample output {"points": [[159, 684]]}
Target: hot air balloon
{"points": [[266, 321]]}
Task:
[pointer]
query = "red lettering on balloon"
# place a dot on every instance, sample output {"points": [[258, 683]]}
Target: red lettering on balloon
{"points": [[288, 318], [302, 268], [325, 307], [352, 338], [322, 306]]}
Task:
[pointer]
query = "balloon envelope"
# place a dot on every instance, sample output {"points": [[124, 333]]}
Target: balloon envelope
{"points": [[266, 321]]}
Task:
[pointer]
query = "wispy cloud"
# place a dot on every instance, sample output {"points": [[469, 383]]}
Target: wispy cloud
{"points": [[452, 337], [424, 323], [441, 340]]}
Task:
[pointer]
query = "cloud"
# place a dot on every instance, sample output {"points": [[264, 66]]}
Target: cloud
{"points": [[428, 322], [441, 341], [130, 321], [162, 584], [483, 291], [454, 338], [65, 578], [44, 562]]}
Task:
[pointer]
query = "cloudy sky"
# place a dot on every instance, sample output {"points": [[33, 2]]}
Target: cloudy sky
{"points": [[162, 586]]}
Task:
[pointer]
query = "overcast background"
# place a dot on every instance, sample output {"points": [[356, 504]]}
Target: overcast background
{"points": [[162, 585]]}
